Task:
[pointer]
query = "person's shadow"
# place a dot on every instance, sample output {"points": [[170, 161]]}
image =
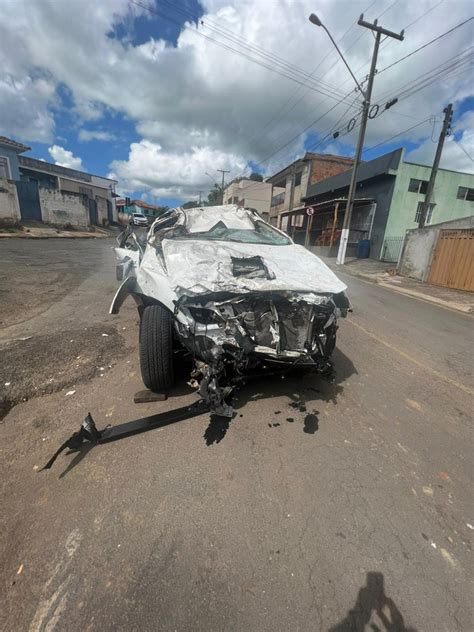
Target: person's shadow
{"points": [[373, 609]]}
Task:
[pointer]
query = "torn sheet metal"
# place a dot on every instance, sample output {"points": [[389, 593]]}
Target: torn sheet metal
{"points": [[204, 267]]}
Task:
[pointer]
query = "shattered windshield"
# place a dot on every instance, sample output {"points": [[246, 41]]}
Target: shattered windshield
{"points": [[260, 234]]}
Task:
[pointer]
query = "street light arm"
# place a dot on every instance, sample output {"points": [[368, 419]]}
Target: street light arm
{"points": [[344, 60], [316, 21], [212, 179]]}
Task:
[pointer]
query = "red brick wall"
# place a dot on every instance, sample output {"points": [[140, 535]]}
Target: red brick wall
{"points": [[322, 168]]}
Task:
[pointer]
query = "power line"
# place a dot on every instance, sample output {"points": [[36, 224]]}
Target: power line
{"points": [[458, 143], [398, 61], [405, 28], [425, 45], [405, 131], [296, 75], [428, 77], [277, 117], [228, 34]]}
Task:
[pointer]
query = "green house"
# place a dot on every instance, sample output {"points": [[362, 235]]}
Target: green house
{"points": [[387, 204]]}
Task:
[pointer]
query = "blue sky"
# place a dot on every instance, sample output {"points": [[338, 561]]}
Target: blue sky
{"points": [[160, 97]]}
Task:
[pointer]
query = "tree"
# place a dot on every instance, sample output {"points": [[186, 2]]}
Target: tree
{"points": [[189, 204], [257, 177], [215, 196]]}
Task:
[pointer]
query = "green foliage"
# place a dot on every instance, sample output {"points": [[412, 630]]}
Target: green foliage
{"points": [[256, 176], [215, 196], [190, 204]]}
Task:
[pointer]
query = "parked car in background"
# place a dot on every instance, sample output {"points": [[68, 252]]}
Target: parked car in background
{"points": [[138, 219], [232, 292]]}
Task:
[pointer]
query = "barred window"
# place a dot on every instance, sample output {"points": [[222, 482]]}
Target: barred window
{"points": [[429, 213]]}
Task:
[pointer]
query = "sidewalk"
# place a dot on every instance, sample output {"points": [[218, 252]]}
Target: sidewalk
{"points": [[385, 274], [47, 232]]}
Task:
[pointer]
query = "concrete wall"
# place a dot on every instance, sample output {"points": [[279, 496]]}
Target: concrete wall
{"points": [[419, 246], [101, 211], [62, 208], [448, 207], [12, 156], [9, 206], [299, 192], [250, 194]]}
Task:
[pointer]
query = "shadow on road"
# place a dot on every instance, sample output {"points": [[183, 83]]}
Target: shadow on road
{"points": [[217, 429], [373, 610], [296, 382], [302, 388]]}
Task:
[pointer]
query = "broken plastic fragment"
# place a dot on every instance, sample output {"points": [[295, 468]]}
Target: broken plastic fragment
{"points": [[70, 393]]}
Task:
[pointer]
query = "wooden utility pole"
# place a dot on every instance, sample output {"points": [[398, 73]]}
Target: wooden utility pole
{"points": [[367, 94], [445, 131], [223, 171]]}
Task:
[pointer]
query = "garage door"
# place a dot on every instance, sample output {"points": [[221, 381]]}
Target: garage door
{"points": [[453, 260]]}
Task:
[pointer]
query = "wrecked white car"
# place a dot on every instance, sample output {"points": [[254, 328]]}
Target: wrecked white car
{"points": [[232, 292]]}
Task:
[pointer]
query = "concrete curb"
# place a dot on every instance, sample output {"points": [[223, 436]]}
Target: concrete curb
{"points": [[459, 307]]}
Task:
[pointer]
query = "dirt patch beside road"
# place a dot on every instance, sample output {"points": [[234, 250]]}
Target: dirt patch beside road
{"points": [[49, 363], [36, 274]]}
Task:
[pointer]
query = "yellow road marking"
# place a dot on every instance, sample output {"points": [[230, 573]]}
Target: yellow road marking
{"points": [[413, 360]]}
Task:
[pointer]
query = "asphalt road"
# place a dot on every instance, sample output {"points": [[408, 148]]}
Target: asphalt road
{"points": [[320, 507]]}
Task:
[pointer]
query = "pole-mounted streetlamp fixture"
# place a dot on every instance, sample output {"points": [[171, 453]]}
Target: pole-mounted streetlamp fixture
{"points": [[367, 94], [313, 18]]}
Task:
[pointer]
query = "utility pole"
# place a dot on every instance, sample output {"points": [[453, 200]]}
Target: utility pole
{"points": [[223, 171], [367, 94], [446, 130], [200, 202]]}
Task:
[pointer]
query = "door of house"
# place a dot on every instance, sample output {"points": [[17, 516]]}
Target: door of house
{"points": [[28, 198], [453, 260], [110, 212], [92, 211]]}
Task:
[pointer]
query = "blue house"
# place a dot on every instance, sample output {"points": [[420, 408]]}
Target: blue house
{"points": [[9, 151]]}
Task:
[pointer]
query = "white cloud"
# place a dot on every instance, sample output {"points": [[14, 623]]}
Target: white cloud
{"points": [[453, 156], [170, 174], [201, 95], [64, 157], [85, 135], [25, 108]]}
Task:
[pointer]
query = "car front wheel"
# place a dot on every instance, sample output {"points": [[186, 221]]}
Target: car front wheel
{"points": [[156, 348]]}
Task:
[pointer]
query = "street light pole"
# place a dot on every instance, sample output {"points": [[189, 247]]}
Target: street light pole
{"points": [[223, 171], [367, 94]]}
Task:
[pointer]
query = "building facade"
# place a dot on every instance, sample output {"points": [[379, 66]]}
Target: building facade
{"points": [[290, 185], [66, 196], [36, 190], [387, 204], [250, 194]]}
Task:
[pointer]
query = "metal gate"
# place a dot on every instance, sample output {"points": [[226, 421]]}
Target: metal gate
{"points": [[92, 211], [28, 198], [453, 260], [110, 212], [391, 249]]}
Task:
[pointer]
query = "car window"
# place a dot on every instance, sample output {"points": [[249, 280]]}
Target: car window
{"points": [[260, 234]]}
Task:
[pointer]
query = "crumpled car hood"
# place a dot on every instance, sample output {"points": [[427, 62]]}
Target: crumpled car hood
{"points": [[196, 266]]}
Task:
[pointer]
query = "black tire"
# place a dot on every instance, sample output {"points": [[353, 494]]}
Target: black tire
{"points": [[156, 348]]}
